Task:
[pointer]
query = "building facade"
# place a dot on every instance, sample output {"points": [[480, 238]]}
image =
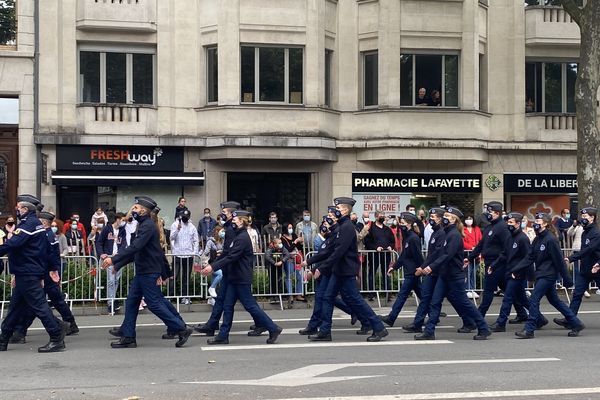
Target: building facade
{"points": [[284, 104]]}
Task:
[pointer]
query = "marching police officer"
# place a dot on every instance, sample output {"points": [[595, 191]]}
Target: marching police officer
{"points": [[52, 288], [588, 256], [345, 264], [238, 265], [27, 250], [146, 252]]}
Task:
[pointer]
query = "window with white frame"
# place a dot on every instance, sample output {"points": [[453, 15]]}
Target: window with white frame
{"points": [[212, 75], [429, 80], [272, 75], [122, 77], [370, 79], [550, 87]]}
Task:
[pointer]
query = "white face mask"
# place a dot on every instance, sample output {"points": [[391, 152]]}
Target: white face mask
{"points": [[469, 222], [122, 224], [100, 226], [290, 231]]}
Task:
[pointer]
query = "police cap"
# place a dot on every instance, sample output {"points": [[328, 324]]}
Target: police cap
{"points": [[454, 211], [46, 215], [516, 215], [145, 201], [241, 213], [230, 204], [589, 211], [439, 211], [28, 198], [409, 217], [495, 206], [344, 200]]}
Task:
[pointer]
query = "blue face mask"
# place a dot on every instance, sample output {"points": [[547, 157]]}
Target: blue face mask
{"points": [[584, 222], [432, 222], [445, 221], [135, 215], [489, 217], [523, 225], [338, 214], [537, 227], [222, 234]]}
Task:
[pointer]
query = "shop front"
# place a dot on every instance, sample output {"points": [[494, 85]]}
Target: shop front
{"points": [[551, 193], [87, 177]]}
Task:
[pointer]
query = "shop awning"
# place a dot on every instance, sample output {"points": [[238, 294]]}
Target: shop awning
{"points": [[90, 178]]}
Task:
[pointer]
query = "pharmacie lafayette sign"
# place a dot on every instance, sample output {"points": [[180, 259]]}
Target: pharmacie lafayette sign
{"points": [[119, 158], [542, 183], [375, 182]]}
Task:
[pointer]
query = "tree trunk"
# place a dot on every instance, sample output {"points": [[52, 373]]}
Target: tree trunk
{"points": [[586, 94]]}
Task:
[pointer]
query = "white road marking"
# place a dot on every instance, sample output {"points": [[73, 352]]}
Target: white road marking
{"points": [[324, 344], [309, 375], [465, 395]]}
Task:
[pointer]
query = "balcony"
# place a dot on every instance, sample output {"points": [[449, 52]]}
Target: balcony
{"points": [[117, 119], [123, 15], [551, 127], [549, 25]]}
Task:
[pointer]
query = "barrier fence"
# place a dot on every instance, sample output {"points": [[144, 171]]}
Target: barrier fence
{"points": [[282, 281]]}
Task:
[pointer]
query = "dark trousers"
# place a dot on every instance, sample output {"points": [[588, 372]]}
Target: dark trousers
{"points": [[454, 289], [145, 286], [182, 268], [410, 283], [57, 300], [490, 283], [514, 292], [243, 293], [215, 315], [546, 287], [316, 319], [427, 288], [378, 261], [582, 283], [346, 285], [28, 294]]}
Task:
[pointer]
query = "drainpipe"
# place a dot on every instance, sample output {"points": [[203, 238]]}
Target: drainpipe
{"points": [[36, 96]]}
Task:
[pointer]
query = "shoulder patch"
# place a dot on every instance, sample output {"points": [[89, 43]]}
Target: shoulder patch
{"points": [[406, 246], [542, 248], [445, 243], [515, 245], [490, 233], [231, 245], [587, 241], [17, 231], [432, 240], [324, 245]]}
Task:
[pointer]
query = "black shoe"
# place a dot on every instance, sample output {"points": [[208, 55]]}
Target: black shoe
{"points": [[425, 336], [411, 329], [363, 330], [184, 335], [116, 332], [561, 322], [320, 337], [274, 335], [575, 331], [217, 340], [204, 329], [252, 328], [466, 329], [497, 328], [3, 346], [17, 337], [73, 329], [443, 314], [257, 331], [386, 320], [543, 323], [525, 335], [483, 335], [4, 339], [124, 343], [517, 320], [353, 319], [308, 331], [377, 336], [169, 335], [52, 346]]}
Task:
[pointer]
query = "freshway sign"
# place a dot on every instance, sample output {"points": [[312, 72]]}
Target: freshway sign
{"points": [[363, 182], [546, 183], [120, 158]]}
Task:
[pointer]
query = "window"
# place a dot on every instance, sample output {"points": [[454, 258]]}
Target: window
{"points": [[116, 77], [328, 55], [550, 87], [8, 23], [212, 75], [370, 79], [429, 80], [272, 75]]}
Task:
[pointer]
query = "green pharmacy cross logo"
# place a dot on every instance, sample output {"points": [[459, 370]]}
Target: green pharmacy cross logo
{"points": [[158, 151], [493, 183]]}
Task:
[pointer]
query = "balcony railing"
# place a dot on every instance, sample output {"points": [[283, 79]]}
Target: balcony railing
{"points": [[116, 118], [550, 25], [128, 15], [551, 127]]}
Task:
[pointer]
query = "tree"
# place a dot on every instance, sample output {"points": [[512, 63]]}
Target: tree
{"points": [[586, 93], [8, 22]]}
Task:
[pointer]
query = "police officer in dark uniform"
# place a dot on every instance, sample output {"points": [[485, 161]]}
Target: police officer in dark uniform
{"points": [[345, 265], [410, 259], [588, 257], [549, 265], [451, 280], [52, 288], [237, 265], [492, 249], [148, 256], [27, 250], [518, 268]]}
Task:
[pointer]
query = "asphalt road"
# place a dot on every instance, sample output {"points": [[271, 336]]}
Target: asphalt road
{"points": [[452, 367]]}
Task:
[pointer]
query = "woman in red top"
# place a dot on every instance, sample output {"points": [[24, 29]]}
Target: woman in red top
{"points": [[470, 240]]}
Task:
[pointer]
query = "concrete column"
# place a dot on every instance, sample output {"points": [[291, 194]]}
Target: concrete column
{"points": [[229, 52], [389, 53], [469, 59], [314, 54], [347, 62]]}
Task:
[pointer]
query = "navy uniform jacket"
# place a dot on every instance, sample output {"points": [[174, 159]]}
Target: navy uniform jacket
{"points": [[144, 250], [106, 240], [590, 251], [344, 258], [435, 248], [238, 259], [324, 253], [412, 254], [27, 249], [517, 256], [450, 263], [548, 258], [492, 245], [230, 234], [53, 253]]}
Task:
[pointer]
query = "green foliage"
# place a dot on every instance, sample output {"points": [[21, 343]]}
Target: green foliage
{"points": [[8, 22]]}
